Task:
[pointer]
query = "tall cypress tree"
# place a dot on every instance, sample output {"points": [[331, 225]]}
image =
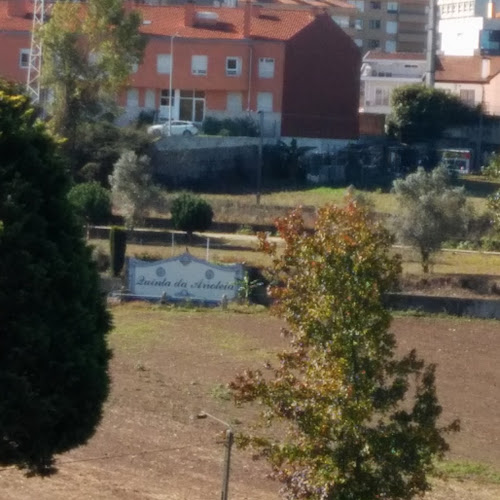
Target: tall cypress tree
{"points": [[53, 320]]}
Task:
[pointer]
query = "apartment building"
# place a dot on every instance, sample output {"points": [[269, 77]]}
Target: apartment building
{"points": [[389, 26], [297, 67], [468, 28]]}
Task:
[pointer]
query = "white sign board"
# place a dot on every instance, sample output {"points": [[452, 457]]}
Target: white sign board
{"points": [[183, 278]]}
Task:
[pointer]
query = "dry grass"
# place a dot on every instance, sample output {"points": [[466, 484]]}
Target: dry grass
{"points": [[453, 262]]}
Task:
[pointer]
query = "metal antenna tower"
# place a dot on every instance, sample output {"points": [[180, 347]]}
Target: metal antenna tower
{"points": [[35, 62]]}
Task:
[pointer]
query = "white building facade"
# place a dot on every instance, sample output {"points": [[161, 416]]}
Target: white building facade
{"points": [[381, 73]]}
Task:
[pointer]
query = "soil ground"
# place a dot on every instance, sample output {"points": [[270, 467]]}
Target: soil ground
{"points": [[169, 365]]}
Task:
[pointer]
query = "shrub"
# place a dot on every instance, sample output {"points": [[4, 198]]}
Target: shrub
{"points": [[494, 206], [117, 249], [492, 170], [91, 201], [491, 243], [234, 127], [211, 126], [191, 213], [101, 259]]}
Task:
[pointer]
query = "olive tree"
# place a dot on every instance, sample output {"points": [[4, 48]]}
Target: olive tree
{"points": [[132, 187], [430, 211]]}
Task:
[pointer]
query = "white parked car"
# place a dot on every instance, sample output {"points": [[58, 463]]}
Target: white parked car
{"points": [[179, 127]]}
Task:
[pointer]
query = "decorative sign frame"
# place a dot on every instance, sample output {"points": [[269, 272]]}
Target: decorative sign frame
{"points": [[183, 277]]}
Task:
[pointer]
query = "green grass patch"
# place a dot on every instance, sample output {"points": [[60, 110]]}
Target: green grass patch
{"points": [[221, 392], [467, 471]]}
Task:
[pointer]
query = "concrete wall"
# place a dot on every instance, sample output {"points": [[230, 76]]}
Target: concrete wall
{"points": [[474, 308], [208, 162]]}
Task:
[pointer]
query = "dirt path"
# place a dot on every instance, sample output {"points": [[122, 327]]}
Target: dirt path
{"points": [[168, 367]]}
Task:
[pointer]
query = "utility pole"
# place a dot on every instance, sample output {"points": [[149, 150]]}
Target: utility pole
{"points": [[227, 453], [227, 464], [431, 44], [260, 166]]}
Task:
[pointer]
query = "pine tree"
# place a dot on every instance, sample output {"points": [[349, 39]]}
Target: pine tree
{"points": [[53, 320]]}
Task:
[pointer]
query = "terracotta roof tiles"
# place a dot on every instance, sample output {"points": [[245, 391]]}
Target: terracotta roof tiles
{"points": [[272, 24], [465, 68], [8, 23]]}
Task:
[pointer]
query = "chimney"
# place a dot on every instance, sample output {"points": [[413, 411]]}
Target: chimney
{"points": [[17, 8], [247, 19], [256, 10], [485, 68], [189, 13], [491, 10]]}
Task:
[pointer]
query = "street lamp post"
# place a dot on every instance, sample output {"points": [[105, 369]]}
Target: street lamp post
{"points": [[259, 166], [170, 84], [227, 453]]}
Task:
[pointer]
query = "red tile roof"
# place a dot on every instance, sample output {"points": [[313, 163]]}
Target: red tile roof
{"points": [[383, 56], [8, 23], [464, 68], [272, 24]]}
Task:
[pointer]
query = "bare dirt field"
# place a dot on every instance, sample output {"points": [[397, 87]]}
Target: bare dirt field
{"points": [[169, 365]]}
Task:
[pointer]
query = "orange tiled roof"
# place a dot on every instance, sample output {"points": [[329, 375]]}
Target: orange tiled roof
{"points": [[272, 24], [383, 56], [8, 23], [464, 68]]}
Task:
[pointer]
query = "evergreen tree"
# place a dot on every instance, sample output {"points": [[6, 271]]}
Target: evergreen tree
{"points": [[353, 422], [191, 213], [53, 319]]}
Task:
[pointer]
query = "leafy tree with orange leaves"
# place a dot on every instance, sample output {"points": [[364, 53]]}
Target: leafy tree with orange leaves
{"points": [[343, 418]]}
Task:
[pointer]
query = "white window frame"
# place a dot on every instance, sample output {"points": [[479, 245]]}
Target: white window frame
{"points": [[392, 7], [266, 108], [234, 102], [163, 64], [266, 67], [382, 96], [132, 92], [150, 99], [359, 4], [233, 71], [22, 53], [390, 46], [391, 27], [167, 97], [199, 65], [468, 96]]}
